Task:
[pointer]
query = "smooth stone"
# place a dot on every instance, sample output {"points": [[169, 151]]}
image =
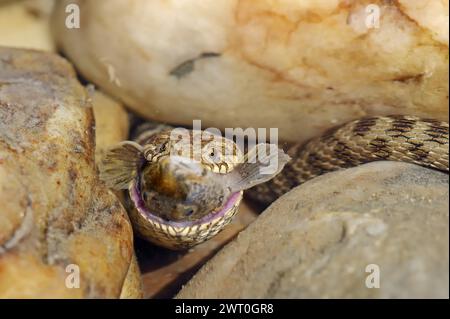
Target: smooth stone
{"points": [[111, 123], [318, 240], [299, 66], [63, 234], [25, 24]]}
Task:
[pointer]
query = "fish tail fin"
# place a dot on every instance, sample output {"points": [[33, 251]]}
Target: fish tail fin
{"points": [[260, 164], [120, 165]]}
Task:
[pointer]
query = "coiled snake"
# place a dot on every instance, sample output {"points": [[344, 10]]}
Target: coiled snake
{"points": [[178, 204], [393, 138]]}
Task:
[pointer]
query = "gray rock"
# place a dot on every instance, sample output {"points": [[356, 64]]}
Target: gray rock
{"points": [[318, 240]]}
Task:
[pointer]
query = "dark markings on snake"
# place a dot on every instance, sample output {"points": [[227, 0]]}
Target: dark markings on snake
{"points": [[344, 153], [291, 177], [397, 134], [432, 122], [418, 153], [438, 133], [438, 141], [380, 148], [294, 151], [402, 125], [315, 163], [363, 126], [372, 144]]}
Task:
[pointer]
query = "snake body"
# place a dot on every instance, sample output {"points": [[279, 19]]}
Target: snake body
{"points": [[392, 138]]}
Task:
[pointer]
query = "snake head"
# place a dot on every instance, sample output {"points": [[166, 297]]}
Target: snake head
{"points": [[159, 146]]}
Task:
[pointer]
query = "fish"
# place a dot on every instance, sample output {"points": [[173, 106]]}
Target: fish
{"points": [[179, 189]]}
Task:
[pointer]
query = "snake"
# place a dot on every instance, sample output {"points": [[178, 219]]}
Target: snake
{"points": [[180, 196]]}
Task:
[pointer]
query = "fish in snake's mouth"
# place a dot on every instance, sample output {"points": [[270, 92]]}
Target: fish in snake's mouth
{"points": [[139, 203], [179, 189], [179, 201]]}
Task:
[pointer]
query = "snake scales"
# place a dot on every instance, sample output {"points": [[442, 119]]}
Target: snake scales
{"points": [[394, 138], [391, 138]]}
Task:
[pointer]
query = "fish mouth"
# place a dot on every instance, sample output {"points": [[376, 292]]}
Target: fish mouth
{"points": [[137, 199]]}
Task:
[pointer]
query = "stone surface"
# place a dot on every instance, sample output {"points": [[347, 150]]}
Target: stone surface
{"points": [[133, 287], [55, 213], [25, 24], [111, 123], [271, 64], [318, 240], [111, 127]]}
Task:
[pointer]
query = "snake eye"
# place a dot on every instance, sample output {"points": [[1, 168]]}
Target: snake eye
{"points": [[213, 156], [163, 147]]}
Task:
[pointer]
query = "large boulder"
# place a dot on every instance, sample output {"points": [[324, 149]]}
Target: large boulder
{"points": [[265, 64], [25, 24], [376, 231], [57, 220]]}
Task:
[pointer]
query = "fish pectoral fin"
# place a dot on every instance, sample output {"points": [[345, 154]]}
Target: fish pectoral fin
{"points": [[260, 164], [120, 165]]}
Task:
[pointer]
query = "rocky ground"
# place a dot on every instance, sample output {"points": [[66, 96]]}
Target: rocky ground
{"points": [[376, 231], [332, 236]]}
